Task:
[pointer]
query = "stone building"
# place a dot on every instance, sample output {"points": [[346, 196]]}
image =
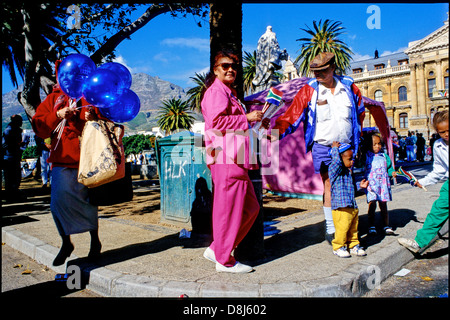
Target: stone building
{"points": [[412, 84]]}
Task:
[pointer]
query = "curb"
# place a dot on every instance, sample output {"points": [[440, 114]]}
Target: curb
{"points": [[352, 282]]}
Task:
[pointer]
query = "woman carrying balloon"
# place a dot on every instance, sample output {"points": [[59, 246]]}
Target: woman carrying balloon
{"points": [[70, 207]]}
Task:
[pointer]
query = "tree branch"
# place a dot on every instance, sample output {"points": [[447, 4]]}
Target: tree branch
{"points": [[109, 46]]}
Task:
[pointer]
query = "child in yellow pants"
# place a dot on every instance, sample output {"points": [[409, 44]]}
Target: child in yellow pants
{"points": [[346, 225], [343, 204]]}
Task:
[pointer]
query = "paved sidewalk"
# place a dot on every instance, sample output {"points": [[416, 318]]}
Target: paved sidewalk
{"points": [[152, 261]]}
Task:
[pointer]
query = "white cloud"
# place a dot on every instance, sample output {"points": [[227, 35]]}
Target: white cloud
{"points": [[387, 52], [122, 61], [166, 57], [185, 76], [360, 57], [194, 43], [137, 68]]}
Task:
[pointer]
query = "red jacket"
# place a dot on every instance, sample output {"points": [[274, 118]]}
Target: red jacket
{"points": [[45, 121]]}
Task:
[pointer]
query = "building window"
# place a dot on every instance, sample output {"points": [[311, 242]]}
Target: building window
{"points": [[403, 118], [359, 70], [379, 66], [431, 87], [402, 62], [402, 95], [379, 95]]}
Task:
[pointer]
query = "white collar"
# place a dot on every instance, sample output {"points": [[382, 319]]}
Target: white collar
{"points": [[339, 87]]}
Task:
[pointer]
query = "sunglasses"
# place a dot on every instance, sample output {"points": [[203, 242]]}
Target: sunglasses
{"points": [[225, 66]]}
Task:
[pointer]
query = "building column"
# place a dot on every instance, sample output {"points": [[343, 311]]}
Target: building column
{"points": [[422, 92], [413, 92], [439, 78]]}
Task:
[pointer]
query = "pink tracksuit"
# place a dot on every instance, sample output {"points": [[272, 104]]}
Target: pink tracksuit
{"points": [[229, 157]]}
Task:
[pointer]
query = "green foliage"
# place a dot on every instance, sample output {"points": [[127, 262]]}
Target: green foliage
{"points": [[30, 153], [195, 94], [249, 71], [137, 143], [324, 38], [175, 115]]}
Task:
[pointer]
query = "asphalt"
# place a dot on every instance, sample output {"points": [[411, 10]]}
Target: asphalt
{"points": [[140, 260]]}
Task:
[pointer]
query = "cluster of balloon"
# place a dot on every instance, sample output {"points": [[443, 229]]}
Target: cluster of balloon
{"points": [[106, 87]]}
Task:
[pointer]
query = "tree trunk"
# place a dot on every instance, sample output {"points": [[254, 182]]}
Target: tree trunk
{"points": [[225, 23], [29, 97]]}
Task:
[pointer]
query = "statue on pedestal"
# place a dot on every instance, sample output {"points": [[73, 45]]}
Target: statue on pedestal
{"points": [[268, 60]]}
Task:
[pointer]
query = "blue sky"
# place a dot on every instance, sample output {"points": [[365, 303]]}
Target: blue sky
{"points": [[174, 49]]}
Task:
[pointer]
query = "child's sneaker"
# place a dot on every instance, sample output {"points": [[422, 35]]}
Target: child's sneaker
{"points": [[388, 231], [342, 252], [372, 231], [409, 244], [358, 251]]}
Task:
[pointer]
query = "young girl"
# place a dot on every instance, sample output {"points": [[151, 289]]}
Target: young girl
{"points": [[378, 170], [439, 211]]}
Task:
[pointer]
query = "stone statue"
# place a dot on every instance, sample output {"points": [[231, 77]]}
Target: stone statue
{"points": [[268, 60]]}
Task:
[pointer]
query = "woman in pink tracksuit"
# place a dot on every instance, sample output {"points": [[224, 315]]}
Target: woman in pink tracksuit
{"points": [[229, 156]]}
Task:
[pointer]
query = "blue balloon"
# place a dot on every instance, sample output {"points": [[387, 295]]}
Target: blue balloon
{"points": [[124, 109], [73, 72], [101, 88], [120, 70]]}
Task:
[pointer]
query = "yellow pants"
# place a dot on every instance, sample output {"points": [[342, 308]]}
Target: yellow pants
{"points": [[346, 225]]}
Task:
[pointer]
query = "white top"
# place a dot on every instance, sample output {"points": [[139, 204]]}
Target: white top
{"points": [[440, 164], [333, 116]]}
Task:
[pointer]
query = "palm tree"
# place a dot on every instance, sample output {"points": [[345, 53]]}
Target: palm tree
{"points": [[195, 94], [175, 116], [249, 71], [324, 39]]}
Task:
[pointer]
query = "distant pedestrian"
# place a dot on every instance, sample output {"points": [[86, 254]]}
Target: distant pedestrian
{"points": [[378, 170], [420, 147], [439, 211], [43, 150], [433, 139], [402, 150], [12, 148], [410, 147], [343, 203]]}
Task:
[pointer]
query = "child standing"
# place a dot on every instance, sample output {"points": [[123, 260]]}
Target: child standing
{"points": [[378, 170], [439, 211], [343, 204]]}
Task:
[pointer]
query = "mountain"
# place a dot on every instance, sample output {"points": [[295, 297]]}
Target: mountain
{"points": [[150, 90]]}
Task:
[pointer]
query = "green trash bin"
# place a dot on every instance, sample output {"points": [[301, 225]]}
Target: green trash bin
{"points": [[185, 181]]}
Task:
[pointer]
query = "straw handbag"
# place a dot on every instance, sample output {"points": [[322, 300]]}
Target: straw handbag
{"points": [[102, 156]]}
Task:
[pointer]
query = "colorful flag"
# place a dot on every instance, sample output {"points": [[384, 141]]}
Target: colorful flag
{"points": [[274, 96], [405, 174], [408, 176]]}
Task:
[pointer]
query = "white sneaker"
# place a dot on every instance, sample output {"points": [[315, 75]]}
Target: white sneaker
{"points": [[409, 244], [210, 255], [358, 251], [237, 268], [342, 252]]}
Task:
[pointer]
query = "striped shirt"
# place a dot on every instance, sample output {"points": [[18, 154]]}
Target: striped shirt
{"points": [[342, 183]]}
